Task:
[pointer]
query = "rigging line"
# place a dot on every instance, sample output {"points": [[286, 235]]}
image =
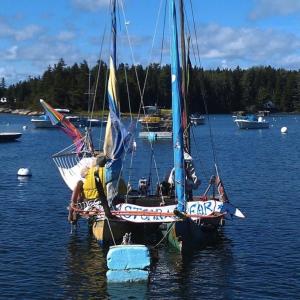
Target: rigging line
{"points": [[128, 94], [150, 56], [195, 33], [147, 70], [202, 90], [200, 160], [112, 235], [131, 122], [165, 235], [98, 74], [130, 173], [150, 175]]}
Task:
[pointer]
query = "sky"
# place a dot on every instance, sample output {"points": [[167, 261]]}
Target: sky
{"points": [[35, 34]]}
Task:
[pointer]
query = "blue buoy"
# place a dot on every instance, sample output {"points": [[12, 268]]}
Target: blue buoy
{"points": [[152, 137]]}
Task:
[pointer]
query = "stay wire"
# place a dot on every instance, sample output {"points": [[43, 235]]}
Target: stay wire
{"points": [[202, 89], [142, 91]]}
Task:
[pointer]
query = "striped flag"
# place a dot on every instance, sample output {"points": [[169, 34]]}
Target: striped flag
{"points": [[64, 124]]}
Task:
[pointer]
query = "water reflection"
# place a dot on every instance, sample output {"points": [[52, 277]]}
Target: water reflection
{"points": [[135, 290], [196, 275], [86, 274], [23, 180], [86, 269]]}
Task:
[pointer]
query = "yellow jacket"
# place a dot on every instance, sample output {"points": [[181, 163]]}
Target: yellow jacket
{"points": [[90, 190]]}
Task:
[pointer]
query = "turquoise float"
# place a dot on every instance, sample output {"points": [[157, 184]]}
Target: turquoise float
{"points": [[127, 275], [127, 263]]}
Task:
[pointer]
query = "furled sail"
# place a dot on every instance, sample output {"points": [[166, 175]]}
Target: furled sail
{"points": [[178, 146], [117, 137]]}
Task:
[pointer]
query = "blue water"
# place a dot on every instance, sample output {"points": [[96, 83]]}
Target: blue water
{"points": [[255, 258]]}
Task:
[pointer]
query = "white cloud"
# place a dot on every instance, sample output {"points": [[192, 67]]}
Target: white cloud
{"points": [[27, 32], [252, 45], [11, 53], [267, 8], [65, 36], [91, 5]]}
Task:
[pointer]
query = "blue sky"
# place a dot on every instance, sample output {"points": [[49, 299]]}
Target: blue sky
{"points": [[35, 34]]}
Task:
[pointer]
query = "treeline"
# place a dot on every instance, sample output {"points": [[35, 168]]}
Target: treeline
{"points": [[223, 91]]}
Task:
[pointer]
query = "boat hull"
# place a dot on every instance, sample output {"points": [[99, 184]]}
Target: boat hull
{"points": [[109, 231], [188, 235], [112, 231], [9, 136], [42, 123], [197, 120], [245, 124]]}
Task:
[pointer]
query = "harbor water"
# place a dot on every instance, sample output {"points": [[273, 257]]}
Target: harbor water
{"points": [[254, 258]]}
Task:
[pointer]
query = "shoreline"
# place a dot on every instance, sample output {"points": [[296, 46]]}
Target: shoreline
{"points": [[28, 112], [20, 111]]}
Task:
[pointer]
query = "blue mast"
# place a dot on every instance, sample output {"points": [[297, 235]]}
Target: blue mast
{"points": [[177, 115]]}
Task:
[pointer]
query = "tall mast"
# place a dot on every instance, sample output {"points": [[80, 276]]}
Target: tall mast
{"points": [[185, 114], [178, 145]]}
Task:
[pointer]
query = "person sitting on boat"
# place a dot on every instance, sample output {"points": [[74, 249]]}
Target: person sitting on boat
{"points": [[192, 182], [92, 187]]}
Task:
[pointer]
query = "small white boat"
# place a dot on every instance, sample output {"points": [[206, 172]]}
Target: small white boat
{"points": [[95, 122], [197, 119], [42, 121], [77, 121], [9, 136], [251, 122]]}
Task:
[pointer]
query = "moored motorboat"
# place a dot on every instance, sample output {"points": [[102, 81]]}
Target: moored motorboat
{"points": [[251, 122], [42, 121], [9, 136], [197, 119], [155, 124], [91, 122]]}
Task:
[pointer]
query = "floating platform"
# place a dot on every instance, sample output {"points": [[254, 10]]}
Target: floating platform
{"points": [[158, 134], [128, 263]]}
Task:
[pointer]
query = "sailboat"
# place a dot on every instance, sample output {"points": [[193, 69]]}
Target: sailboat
{"points": [[185, 218]]}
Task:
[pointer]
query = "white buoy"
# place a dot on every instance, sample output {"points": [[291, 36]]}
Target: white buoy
{"points": [[24, 127], [24, 172], [284, 129]]}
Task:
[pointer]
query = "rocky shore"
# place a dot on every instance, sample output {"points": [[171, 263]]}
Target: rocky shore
{"points": [[23, 112]]}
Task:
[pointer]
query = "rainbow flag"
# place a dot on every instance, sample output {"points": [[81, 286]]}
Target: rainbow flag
{"points": [[64, 124]]}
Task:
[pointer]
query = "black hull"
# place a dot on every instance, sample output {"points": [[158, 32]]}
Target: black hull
{"points": [[189, 235]]}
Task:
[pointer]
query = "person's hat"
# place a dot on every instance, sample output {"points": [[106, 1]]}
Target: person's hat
{"points": [[101, 160]]}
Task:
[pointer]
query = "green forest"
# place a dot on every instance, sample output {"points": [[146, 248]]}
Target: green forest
{"points": [[223, 90]]}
